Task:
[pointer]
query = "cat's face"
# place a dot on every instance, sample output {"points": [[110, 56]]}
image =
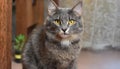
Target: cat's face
{"points": [[63, 22]]}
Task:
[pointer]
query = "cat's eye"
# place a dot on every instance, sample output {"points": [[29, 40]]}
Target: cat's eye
{"points": [[71, 22], [57, 22]]}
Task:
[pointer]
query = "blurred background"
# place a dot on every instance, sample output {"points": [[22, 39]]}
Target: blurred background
{"points": [[101, 36]]}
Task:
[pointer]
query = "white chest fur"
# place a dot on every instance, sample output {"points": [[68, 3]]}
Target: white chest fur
{"points": [[65, 42]]}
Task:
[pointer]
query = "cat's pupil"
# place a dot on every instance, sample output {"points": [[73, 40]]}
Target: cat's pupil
{"points": [[57, 20]]}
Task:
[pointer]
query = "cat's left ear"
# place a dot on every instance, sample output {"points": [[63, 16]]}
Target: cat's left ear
{"points": [[78, 8], [52, 7]]}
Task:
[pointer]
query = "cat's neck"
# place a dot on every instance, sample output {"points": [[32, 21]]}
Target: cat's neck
{"points": [[62, 42]]}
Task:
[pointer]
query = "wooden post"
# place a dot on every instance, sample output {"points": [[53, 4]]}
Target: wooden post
{"points": [[5, 33], [38, 14], [24, 16], [38, 10], [28, 14]]}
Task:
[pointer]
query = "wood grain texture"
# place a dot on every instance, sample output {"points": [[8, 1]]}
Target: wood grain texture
{"points": [[24, 16], [28, 14], [38, 11], [5, 33]]}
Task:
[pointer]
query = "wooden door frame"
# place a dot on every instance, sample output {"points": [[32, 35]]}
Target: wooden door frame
{"points": [[31, 14], [24, 16], [5, 33]]}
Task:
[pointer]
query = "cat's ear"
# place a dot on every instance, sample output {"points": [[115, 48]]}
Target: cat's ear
{"points": [[78, 8], [52, 7]]}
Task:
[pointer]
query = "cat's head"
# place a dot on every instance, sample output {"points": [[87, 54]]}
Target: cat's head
{"points": [[64, 22]]}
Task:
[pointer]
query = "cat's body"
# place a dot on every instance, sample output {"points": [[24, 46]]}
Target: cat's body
{"points": [[49, 55], [55, 45]]}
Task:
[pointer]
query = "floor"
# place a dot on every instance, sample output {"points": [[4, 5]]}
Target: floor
{"points": [[93, 60]]}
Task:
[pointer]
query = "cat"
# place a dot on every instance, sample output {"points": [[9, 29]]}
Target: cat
{"points": [[56, 44]]}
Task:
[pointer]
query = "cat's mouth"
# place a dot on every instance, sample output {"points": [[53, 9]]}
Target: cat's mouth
{"points": [[63, 36]]}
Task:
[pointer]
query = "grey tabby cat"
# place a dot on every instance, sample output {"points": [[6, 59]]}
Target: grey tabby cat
{"points": [[55, 45]]}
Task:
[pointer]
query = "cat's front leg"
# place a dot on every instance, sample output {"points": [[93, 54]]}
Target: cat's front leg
{"points": [[28, 57], [73, 65]]}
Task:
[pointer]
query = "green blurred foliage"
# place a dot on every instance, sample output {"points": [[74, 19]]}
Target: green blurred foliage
{"points": [[19, 42]]}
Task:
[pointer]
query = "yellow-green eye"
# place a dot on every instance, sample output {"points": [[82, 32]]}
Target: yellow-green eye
{"points": [[57, 22], [71, 22]]}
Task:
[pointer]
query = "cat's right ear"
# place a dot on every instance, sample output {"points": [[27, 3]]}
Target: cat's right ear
{"points": [[52, 7], [78, 8]]}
